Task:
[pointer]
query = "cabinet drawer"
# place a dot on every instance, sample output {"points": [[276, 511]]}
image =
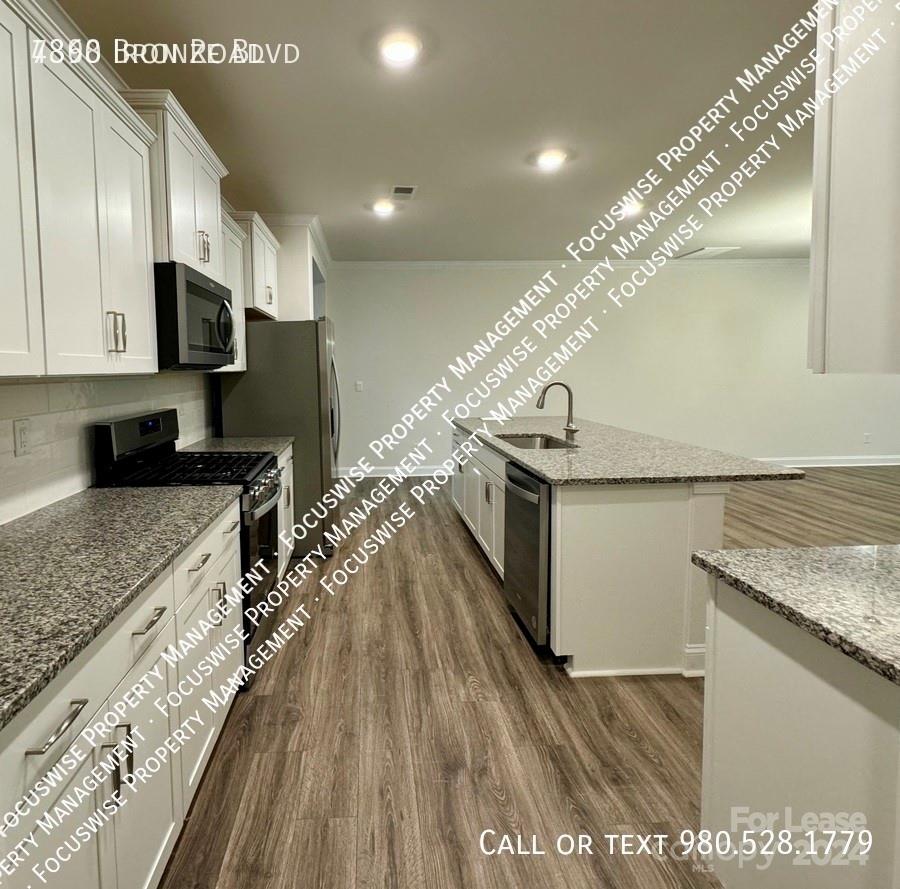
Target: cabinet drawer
{"points": [[197, 560], [63, 709], [493, 462]]}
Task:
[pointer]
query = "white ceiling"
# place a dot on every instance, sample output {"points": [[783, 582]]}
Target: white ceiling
{"points": [[615, 80]]}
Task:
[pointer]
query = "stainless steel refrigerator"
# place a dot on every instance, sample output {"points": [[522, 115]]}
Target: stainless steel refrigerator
{"points": [[290, 388]]}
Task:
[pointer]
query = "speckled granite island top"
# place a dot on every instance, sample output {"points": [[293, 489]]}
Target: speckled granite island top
{"points": [[278, 444], [831, 592], [68, 569], [607, 455]]}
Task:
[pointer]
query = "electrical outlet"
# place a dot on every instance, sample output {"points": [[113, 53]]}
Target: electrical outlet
{"points": [[22, 437], [867, 438], [359, 386]]}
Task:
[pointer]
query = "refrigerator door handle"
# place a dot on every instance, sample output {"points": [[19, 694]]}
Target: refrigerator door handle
{"points": [[335, 412]]}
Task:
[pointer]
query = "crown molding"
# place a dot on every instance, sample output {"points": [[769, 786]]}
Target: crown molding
{"points": [[165, 101], [425, 265]]}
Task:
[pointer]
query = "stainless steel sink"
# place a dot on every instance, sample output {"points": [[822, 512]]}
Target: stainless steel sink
{"points": [[534, 442]]}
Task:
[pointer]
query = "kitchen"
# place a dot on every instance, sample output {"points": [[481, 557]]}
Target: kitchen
{"points": [[349, 540]]}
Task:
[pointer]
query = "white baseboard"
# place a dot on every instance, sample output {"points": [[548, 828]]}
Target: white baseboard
{"points": [[815, 462], [637, 671], [382, 471], [694, 660]]}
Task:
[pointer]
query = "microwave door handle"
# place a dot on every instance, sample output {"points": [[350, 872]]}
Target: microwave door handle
{"points": [[229, 346]]}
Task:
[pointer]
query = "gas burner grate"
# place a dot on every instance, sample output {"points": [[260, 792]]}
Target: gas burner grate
{"points": [[197, 468]]}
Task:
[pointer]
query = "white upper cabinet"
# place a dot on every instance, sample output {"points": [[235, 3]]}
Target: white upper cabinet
{"points": [[260, 266], [79, 336], [234, 243], [128, 288], [76, 249], [186, 175], [855, 312], [21, 334]]}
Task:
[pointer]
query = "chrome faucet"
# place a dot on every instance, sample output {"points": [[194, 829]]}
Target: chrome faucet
{"points": [[570, 426]]}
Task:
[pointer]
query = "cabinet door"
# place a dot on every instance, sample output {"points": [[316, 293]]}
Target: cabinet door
{"points": [[472, 493], [499, 514], [85, 869], [258, 269], [195, 752], [270, 260], [21, 334], [285, 512], [185, 242], [456, 484], [128, 287], [147, 826], [209, 217], [233, 278], [227, 575], [486, 514], [78, 334]]}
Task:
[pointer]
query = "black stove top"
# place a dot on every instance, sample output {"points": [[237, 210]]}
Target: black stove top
{"points": [[196, 468]]}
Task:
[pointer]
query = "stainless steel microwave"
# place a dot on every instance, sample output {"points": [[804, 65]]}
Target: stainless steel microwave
{"points": [[194, 320]]}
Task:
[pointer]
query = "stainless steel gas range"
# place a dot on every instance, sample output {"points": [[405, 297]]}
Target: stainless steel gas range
{"points": [[139, 451]]}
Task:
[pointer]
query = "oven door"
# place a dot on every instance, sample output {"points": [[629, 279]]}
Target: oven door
{"points": [[259, 551]]}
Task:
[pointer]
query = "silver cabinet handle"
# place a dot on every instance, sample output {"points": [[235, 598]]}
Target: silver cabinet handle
{"points": [[124, 332], [232, 527], [208, 247], [204, 246], [219, 619], [203, 560], [115, 331], [76, 707], [489, 493], [269, 297], [129, 759], [287, 500], [154, 620]]}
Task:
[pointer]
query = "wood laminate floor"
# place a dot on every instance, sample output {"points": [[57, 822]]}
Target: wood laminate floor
{"points": [[411, 715]]}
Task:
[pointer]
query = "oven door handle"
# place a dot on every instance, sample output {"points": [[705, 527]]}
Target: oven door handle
{"points": [[269, 505]]}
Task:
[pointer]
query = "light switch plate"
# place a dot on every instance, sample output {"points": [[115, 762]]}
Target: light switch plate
{"points": [[359, 386], [22, 437]]}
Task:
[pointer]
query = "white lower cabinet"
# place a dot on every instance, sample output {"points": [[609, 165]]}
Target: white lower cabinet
{"points": [[195, 753], [129, 847], [146, 827], [85, 868], [479, 494], [285, 508]]}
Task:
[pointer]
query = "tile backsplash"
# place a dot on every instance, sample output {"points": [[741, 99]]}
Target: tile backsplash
{"points": [[60, 412]]}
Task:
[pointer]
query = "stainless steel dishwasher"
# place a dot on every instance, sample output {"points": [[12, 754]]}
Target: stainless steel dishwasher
{"points": [[526, 561]]}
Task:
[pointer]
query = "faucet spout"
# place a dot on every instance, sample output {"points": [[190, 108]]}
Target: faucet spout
{"points": [[570, 427]]}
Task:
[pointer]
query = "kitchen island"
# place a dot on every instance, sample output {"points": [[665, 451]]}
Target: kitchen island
{"points": [[802, 714], [627, 511]]}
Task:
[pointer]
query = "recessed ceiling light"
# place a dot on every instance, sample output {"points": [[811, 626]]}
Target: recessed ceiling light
{"points": [[551, 159], [399, 49], [383, 207], [632, 208]]}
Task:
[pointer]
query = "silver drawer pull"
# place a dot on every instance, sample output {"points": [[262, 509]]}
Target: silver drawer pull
{"points": [[157, 615], [231, 528], [203, 560], [77, 706]]}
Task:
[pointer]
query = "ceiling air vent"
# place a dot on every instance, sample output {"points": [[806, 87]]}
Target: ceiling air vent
{"points": [[403, 192]]}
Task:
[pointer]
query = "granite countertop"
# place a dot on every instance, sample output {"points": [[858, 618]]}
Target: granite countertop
{"points": [[607, 455], [831, 592], [68, 569], [278, 444]]}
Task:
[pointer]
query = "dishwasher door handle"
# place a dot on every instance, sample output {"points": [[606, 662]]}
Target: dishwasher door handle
{"points": [[521, 492]]}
